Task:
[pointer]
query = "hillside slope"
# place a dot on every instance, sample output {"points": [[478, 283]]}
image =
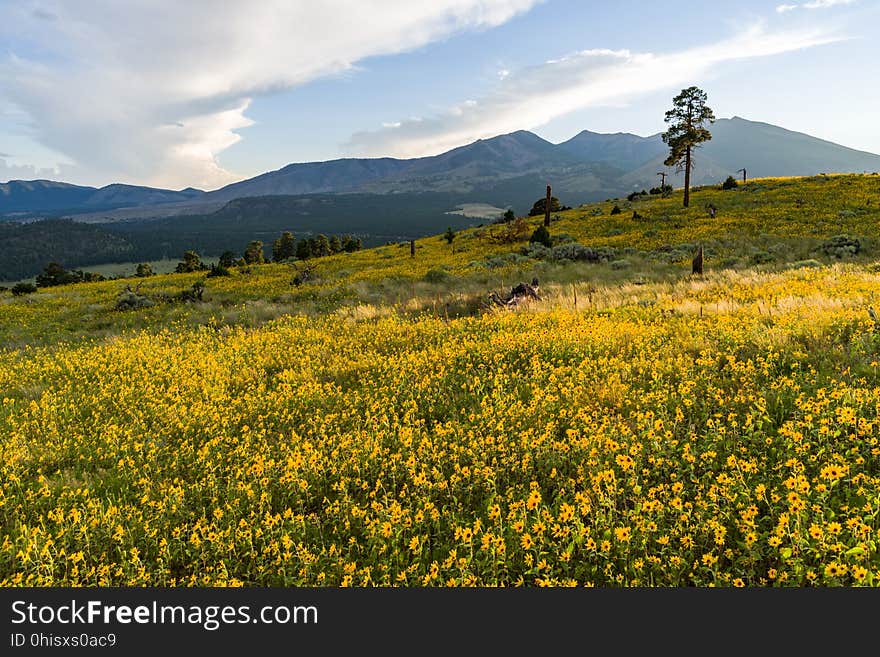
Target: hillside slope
{"points": [[379, 425]]}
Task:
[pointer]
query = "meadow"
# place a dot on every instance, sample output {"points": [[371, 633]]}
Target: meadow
{"points": [[382, 425]]}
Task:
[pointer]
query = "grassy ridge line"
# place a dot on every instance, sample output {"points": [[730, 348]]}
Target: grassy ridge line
{"points": [[784, 220]]}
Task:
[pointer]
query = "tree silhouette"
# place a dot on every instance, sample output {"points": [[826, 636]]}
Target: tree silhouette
{"points": [[540, 207], [686, 132], [284, 247], [253, 254]]}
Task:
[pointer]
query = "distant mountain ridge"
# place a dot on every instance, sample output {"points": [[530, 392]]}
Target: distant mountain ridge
{"points": [[508, 171], [48, 195]]}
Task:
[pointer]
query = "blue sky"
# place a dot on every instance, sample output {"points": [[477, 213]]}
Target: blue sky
{"points": [[121, 92]]}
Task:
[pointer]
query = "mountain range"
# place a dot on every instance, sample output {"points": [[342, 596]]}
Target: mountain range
{"points": [[509, 170]]}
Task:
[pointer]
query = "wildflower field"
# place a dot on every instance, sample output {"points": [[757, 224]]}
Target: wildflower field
{"points": [[639, 426]]}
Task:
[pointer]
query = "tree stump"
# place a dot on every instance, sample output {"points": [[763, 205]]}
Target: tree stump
{"points": [[547, 208], [697, 263]]}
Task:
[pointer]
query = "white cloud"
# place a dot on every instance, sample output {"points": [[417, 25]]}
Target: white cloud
{"points": [[813, 4], [533, 96], [12, 171], [150, 91]]}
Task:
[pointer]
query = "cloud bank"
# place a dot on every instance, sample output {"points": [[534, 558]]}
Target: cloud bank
{"points": [[813, 4], [534, 96], [150, 91]]}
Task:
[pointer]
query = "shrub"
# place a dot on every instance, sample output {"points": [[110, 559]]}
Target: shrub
{"points": [[619, 264], [436, 275], [496, 262], [192, 294], [509, 215], [219, 270], [20, 289], [54, 274], [615, 209], [541, 236], [574, 252], [535, 250], [144, 270], [841, 246], [511, 231], [191, 262], [805, 264], [129, 299], [253, 254], [562, 238], [730, 183]]}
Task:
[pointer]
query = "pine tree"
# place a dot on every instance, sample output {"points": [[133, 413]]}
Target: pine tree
{"points": [[253, 254], [283, 248], [686, 132], [303, 249]]}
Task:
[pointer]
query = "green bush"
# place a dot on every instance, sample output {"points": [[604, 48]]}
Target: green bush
{"points": [[841, 246], [20, 289], [541, 236], [436, 275]]}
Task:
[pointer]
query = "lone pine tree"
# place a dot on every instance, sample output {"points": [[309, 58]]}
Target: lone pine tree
{"points": [[686, 132]]}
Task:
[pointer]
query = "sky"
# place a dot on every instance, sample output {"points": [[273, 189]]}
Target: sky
{"points": [[205, 93]]}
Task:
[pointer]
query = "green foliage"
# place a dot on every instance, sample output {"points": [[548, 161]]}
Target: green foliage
{"points": [[253, 253], [686, 131], [578, 252], [132, 299], [227, 259], [436, 275], [509, 215], [686, 118], [810, 263], [320, 246], [449, 235], [219, 270], [283, 248], [538, 209], [144, 270], [615, 210], [335, 244], [535, 250], [194, 293], [841, 246], [730, 183], [28, 247], [20, 289], [54, 274], [351, 244], [191, 262], [303, 249], [541, 236]]}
